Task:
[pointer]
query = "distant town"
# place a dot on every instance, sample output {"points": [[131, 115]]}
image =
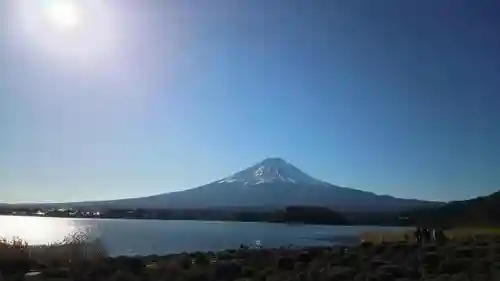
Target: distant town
{"points": [[292, 214], [53, 212]]}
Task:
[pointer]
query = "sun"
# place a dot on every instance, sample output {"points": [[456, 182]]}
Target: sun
{"points": [[63, 14], [78, 34]]}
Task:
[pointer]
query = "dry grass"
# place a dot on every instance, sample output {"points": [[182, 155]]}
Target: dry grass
{"points": [[73, 248], [454, 233], [454, 260], [379, 237]]}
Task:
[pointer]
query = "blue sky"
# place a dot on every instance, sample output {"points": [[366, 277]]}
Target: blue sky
{"points": [[394, 97]]}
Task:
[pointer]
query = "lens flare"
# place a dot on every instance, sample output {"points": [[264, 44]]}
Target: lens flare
{"points": [[63, 14]]}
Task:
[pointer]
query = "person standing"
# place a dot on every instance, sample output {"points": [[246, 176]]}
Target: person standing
{"points": [[426, 235], [418, 235]]}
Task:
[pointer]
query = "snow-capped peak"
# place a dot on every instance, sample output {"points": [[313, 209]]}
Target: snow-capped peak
{"points": [[271, 170]]}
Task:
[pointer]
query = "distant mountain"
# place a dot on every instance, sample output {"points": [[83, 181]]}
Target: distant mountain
{"points": [[271, 170], [479, 211], [270, 184]]}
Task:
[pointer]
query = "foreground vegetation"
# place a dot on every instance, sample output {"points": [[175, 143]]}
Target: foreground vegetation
{"points": [[470, 255]]}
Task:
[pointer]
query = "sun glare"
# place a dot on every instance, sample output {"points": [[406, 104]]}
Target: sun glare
{"points": [[74, 33], [63, 14]]}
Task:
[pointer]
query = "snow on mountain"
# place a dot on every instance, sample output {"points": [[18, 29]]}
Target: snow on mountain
{"points": [[272, 170], [272, 183]]}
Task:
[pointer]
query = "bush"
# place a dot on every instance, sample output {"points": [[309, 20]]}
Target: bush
{"points": [[305, 257], [228, 270], [97, 270], [464, 252], [123, 276], [431, 259], [392, 270], [185, 261], [377, 262], [248, 271], [455, 265], [286, 263], [14, 266], [56, 273], [131, 264], [195, 274], [340, 273], [224, 255], [201, 258]]}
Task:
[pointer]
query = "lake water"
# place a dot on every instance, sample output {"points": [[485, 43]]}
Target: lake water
{"points": [[144, 237]]}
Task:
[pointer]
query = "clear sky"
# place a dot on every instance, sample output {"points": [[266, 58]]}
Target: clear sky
{"points": [[138, 98]]}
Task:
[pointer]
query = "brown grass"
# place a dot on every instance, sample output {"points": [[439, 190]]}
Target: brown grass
{"points": [[454, 233], [73, 248], [472, 259]]}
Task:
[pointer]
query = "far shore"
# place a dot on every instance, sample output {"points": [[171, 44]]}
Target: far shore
{"points": [[213, 220]]}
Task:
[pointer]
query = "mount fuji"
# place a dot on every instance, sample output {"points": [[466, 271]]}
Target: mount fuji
{"points": [[271, 170], [270, 184]]}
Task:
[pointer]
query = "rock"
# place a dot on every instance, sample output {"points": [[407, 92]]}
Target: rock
{"points": [[33, 276]]}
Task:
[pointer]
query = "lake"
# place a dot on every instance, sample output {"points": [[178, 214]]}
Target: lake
{"points": [[144, 237]]}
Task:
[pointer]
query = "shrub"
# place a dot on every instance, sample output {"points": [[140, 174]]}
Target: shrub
{"points": [[305, 257], [224, 255], [228, 270], [185, 261], [133, 265], [391, 270], [195, 274], [123, 276], [340, 273], [14, 266], [74, 248], [248, 271], [286, 263], [460, 277], [56, 273], [366, 244], [455, 265], [431, 259], [201, 258], [464, 252], [97, 270], [377, 262]]}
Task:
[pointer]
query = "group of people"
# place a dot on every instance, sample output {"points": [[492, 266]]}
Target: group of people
{"points": [[425, 235]]}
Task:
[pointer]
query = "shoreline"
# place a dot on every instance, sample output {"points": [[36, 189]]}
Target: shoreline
{"points": [[214, 220], [463, 258]]}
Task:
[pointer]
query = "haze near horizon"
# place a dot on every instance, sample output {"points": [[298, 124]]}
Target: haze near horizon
{"points": [[120, 98]]}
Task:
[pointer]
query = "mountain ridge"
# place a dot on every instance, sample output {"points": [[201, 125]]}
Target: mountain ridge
{"points": [[269, 184], [479, 211], [271, 170]]}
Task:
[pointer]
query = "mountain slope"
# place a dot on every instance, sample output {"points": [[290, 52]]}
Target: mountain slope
{"points": [[270, 184], [478, 211], [271, 170]]}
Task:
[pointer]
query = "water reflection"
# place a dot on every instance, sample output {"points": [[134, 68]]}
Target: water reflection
{"points": [[39, 230], [145, 237]]}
